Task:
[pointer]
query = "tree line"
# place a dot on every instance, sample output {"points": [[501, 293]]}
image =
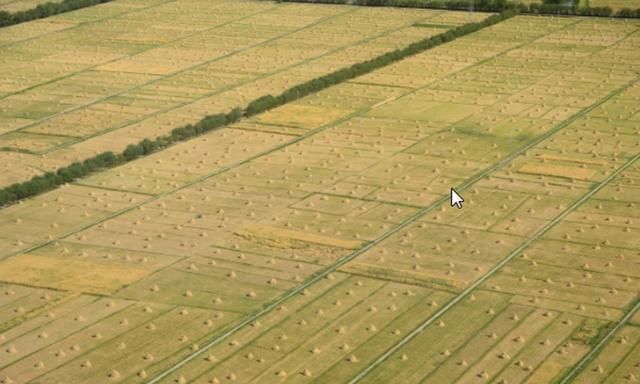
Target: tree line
{"points": [[45, 10], [51, 180], [105, 160], [552, 7], [269, 101]]}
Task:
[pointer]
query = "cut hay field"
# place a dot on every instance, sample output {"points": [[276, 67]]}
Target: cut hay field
{"points": [[517, 286], [314, 242], [22, 5], [614, 4], [618, 361], [107, 76]]}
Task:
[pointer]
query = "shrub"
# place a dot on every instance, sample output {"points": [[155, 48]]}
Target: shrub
{"points": [[133, 151], [260, 105]]}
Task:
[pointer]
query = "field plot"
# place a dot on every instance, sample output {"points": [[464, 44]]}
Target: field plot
{"points": [[107, 76], [21, 5], [317, 238], [617, 362], [614, 4]]}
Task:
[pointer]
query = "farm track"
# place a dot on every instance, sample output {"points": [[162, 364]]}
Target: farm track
{"points": [[85, 327], [240, 84], [333, 267]]}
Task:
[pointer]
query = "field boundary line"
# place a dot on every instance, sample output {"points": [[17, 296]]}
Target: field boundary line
{"points": [[314, 334], [264, 331], [625, 359], [494, 269], [582, 364], [82, 139], [554, 10], [597, 306], [320, 129], [522, 351], [62, 301], [129, 305], [200, 179], [457, 350], [336, 321], [529, 314], [489, 22], [83, 329], [580, 285]]}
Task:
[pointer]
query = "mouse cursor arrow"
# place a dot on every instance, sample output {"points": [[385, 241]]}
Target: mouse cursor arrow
{"points": [[456, 199]]}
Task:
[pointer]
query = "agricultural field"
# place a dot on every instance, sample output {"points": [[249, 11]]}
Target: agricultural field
{"points": [[315, 242], [614, 4], [21, 5], [107, 76], [496, 301], [618, 362]]}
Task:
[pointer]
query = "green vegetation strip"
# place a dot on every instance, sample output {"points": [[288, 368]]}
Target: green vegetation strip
{"points": [[546, 7], [50, 180], [45, 10], [604, 340]]}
